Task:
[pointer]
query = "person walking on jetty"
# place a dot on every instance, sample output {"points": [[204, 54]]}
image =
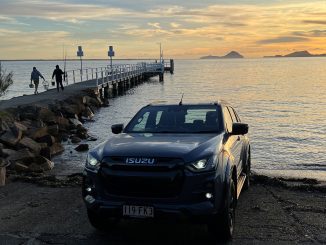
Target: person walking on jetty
{"points": [[35, 77], [58, 77]]}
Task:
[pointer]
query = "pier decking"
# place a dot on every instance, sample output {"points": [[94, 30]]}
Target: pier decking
{"points": [[107, 81]]}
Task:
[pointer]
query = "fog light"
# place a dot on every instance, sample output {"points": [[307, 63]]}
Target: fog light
{"points": [[88, 189], [89, 199], [209, 195]]}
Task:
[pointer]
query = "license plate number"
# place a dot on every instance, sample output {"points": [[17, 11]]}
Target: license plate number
{"points": [[138, 211]]}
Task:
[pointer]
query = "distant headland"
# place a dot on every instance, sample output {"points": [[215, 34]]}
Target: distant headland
{"points": [[231, 55], [304, 53]]}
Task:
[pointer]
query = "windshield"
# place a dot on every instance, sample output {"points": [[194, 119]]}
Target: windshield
{"points": [[177, 119]]}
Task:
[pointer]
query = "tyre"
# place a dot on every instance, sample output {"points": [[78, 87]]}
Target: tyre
{"points": [[223, 225], [100, 222], [247, 172]]}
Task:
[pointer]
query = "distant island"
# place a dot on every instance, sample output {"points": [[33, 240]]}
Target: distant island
{"points": [[304, 53], [231, 55]]}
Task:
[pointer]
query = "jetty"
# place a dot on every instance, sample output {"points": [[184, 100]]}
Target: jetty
{"points": [[107, 82]]}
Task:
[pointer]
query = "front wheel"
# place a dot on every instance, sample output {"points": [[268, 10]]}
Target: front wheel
{"points": [[223, 225]]}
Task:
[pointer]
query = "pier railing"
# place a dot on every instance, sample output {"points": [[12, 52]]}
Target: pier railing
{"points": [[109, 74]]}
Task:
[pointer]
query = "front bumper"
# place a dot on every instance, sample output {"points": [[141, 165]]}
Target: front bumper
{"points": [[191, 203]]}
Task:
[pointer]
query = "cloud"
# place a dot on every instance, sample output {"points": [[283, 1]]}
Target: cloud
{"points": [[318, 22], [174, 25], [289, 39], [155, 25], [313, 33]]}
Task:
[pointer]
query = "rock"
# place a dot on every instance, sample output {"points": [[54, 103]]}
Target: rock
{"points": [[82, 147], [75, 140], [10, 138], [21, 155], [21, 126], [53, 130], [75, 121], [56, 149], [4, 163], [29, 143], [88, 113], [35, 133], [87, 100], [3, 125], [48, 139], [46, 115], [62, 122], [28, 112], [20, 167], [46, 152], [40, 164], [91, 138]]}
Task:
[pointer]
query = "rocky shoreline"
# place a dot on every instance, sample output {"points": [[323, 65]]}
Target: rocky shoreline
{"points": [[30, 135]]}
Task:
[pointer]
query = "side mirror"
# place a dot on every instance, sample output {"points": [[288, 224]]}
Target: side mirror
{"points": [[117, 128], [239, 128]]}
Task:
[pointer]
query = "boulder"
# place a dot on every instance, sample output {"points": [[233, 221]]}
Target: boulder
{"points": [[40, 164], [75, 140], [3, 125], [88, 113], [28, 112], [63, 123], [35, 133], [53, 130], [75, 121], [81, 132], [20, 155], [91, 138], [29, 143], [56, 149], [46, 115], [11, 138], [48, 139], [20, 126], [46, 152], [82, 147], [87, 100], [20, 167]]}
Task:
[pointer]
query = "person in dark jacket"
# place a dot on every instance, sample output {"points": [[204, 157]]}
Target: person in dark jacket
{"points": [[58, 77], [35, 77]]}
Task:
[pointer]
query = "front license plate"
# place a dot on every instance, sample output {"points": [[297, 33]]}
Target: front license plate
{"points": [[138, 211]]}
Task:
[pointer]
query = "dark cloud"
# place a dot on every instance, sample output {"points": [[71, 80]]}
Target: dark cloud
{"points": [[313, 33], [288, 39], [318, 22]]}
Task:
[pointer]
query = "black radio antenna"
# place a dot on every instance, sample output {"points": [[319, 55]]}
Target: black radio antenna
{"points": [[180, 103]]}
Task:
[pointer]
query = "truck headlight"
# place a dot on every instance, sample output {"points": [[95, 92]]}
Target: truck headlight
{"points": [[92, 163], [202, 165]]}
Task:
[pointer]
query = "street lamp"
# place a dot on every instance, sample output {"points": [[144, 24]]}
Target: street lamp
{"points": [[111, 54], [80, 54]]}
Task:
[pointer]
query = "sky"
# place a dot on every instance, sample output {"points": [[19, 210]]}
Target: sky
{"points": [[42, 29]]}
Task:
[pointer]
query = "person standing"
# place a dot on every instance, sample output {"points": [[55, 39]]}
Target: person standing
{"points": [[58, 77], [35, 77]]}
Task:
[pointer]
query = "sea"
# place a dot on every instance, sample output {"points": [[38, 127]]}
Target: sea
{"points": [[282, 99]]}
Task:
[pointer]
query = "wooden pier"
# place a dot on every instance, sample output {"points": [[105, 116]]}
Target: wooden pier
{"points": [[110, 81]]}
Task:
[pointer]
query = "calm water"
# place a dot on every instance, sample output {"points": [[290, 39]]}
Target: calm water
{"points": [[283, 101]]}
